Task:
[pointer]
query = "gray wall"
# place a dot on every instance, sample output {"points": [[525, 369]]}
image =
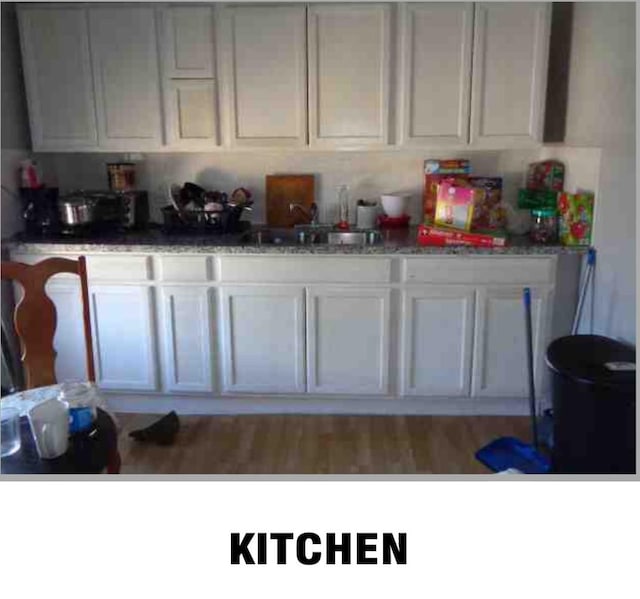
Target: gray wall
{"points": [[15, 130], [601, 112]]}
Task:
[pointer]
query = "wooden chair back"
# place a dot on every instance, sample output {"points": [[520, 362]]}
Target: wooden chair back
{"points": [[35, 316]]}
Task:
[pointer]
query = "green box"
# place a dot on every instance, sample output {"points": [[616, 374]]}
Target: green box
{"points": [[537, 199]]}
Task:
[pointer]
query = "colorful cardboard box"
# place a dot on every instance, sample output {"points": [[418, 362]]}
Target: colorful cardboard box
{"points": [[488, 212], [548, 174], [436, 171], [455, 204], [575, 218]]}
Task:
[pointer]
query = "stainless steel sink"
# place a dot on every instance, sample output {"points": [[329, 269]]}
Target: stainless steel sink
{"points": [[312, 235]]}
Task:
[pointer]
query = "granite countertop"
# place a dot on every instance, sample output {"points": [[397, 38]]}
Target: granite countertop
{"points": [[155, 241]]}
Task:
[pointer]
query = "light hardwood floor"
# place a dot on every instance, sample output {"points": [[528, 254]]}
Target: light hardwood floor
{"points": [[294, 444]]}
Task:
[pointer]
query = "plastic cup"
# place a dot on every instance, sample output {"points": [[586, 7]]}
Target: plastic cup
{"points": [[9, 431]]}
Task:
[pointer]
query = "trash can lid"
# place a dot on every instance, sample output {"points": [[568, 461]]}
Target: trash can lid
{"points": [[583, 358]]}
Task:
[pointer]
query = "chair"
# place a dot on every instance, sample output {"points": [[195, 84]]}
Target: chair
{"points": [[35, 324], [35, 317]]}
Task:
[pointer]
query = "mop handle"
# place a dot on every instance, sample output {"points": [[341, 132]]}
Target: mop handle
{"points": [[591, 262], [532, 391]]}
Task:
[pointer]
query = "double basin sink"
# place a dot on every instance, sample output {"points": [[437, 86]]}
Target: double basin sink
{"points": [[313, 235]]}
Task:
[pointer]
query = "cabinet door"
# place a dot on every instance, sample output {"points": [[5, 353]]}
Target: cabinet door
{"points": [[68, 342], [434, 95], [347, 340], [127, 83], [263, 339], [190, 110], [187, 41], [186, 329], [510, 55], [59, 85], [437, 333], [349, 53], [263, 55], [124, 340], [500, 351]]}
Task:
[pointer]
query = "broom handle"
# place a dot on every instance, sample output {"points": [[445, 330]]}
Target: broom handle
{"points": [[532, 390], [588, 273]]}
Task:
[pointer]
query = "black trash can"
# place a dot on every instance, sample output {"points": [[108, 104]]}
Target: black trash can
{"points": [[594, 408]]}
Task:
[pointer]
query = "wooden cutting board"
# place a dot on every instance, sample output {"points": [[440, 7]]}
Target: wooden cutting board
{"points": [[283, 190]]}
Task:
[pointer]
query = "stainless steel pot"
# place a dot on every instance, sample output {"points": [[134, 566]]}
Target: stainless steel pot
{"points": [[77, 211], [89, 208]]}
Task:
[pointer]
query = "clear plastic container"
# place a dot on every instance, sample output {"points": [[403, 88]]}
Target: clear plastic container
{"points": [[544, 228]]}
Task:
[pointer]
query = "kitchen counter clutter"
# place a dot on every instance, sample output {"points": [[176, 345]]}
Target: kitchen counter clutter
{"points": [[154, 240]]}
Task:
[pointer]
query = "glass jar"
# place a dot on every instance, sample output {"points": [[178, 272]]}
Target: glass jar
{"points": [[544, 228]]}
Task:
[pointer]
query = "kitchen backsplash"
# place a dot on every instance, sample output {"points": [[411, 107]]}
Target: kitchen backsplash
{"points": [[368, 174]]}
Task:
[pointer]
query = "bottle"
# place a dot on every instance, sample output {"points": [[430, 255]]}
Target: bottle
{"points": [[343, 207]]}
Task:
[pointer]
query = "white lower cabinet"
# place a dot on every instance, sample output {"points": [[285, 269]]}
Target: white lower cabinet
{"points": [[186, 329], [123, 336], [437, 337], [263, 339], [500, 351], [68, 342], [348, 340]]}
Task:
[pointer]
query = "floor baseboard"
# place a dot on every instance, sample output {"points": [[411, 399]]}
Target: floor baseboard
{"points": [[184, 404]]}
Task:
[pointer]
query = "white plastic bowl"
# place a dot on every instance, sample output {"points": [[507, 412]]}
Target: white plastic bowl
{"points": [[394, 205]]}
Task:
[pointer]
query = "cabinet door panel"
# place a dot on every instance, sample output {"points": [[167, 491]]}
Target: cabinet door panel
{"points": [[263, 54], [191, 113], [500, 367], [186, 329], [263, 339], [347, 340], [59, 85], [69, 343], [349, 54], [188, 41], [436, 72], [437, 332], [124, 340], [511, 43], [125, 63]]}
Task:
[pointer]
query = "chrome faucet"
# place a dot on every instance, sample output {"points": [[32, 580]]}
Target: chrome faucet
{"points": [[311, 214]]}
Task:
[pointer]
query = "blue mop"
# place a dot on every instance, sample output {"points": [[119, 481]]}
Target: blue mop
{"points": [[509, 453]]}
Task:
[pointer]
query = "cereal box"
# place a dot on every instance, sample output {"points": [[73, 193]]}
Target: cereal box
{"points": [[436, 171], [454, 205], [575, 218], [488, 212]]}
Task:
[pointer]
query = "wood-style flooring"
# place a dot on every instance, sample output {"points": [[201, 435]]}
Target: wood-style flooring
{"points": [[295, 444]]}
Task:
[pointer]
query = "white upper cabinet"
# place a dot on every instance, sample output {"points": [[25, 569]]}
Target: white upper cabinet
{"points": [[188, 42], [435, 58], [349, 56], [263, 58], [127, 81], [510, 54], [57, 67], [190, 113], [188, 84]]}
